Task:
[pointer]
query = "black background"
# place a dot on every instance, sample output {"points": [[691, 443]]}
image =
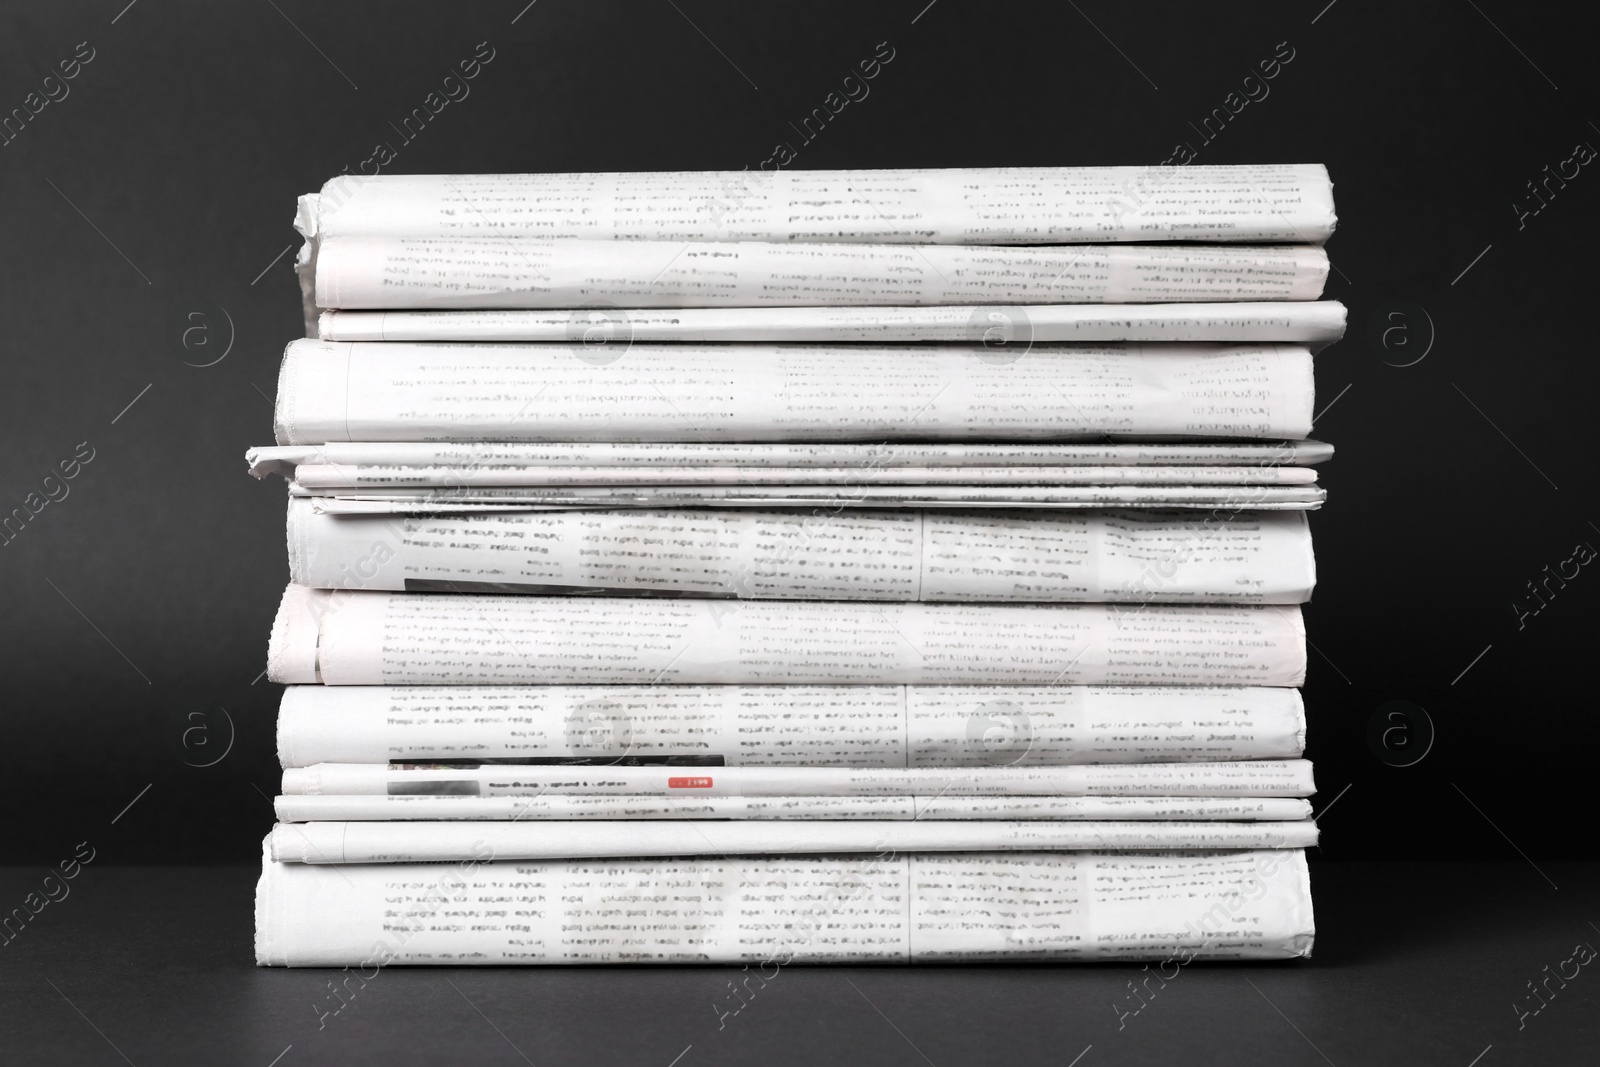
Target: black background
{"points": [[137, 608]]}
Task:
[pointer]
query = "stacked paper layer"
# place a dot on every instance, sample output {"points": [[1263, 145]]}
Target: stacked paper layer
{"points": [[825, 566]]}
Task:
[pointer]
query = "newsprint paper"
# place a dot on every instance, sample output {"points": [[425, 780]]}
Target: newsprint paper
{"points": [[1002, 555], [366, 638], [790, 725], [1244, 778], [467, 459], [1001, 328], [986, 205], [774, 910], [565, 807], [403, 391], [534, 272], [441, 842]]}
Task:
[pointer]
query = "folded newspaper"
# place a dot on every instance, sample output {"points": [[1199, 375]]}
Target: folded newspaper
{"points": [[1244, 778], [1100, 556], [566, 807], [769, 911], [1227, 499], [404, 391], [540, 272], [368, 638], [789, 725], [973, 205], [1003, 329], [469, 458], [452, 842]]}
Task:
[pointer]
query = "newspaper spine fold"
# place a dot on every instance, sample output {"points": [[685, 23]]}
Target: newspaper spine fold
{"points": [[773, 910]]}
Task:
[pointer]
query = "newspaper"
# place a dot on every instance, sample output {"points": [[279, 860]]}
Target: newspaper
{"points": [[1001, 329], [537, 272], [769, 911], [453, 842], [1244, 778], [793, 725], [1055, 556], [561, 807], [331, 478], [400, 391], [1224, 499], [980, 205], [367, 638], [469, 458]]}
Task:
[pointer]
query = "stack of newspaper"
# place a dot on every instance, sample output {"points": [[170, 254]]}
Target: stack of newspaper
{"points": [[798, 566]]}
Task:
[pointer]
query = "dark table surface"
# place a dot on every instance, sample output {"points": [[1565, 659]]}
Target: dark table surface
{"points": [[1415, 964]]}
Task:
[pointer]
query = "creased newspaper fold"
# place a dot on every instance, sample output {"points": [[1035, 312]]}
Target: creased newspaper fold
{"points": [[1242, 778], [453, 842], [566, 807], [1000, 329], [1000, 555], [769, 911], [335, 478], [1225, 499], [535, 272], [790, 725], [365, 638], [468, 458], [975, 205], [401, 391]]}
